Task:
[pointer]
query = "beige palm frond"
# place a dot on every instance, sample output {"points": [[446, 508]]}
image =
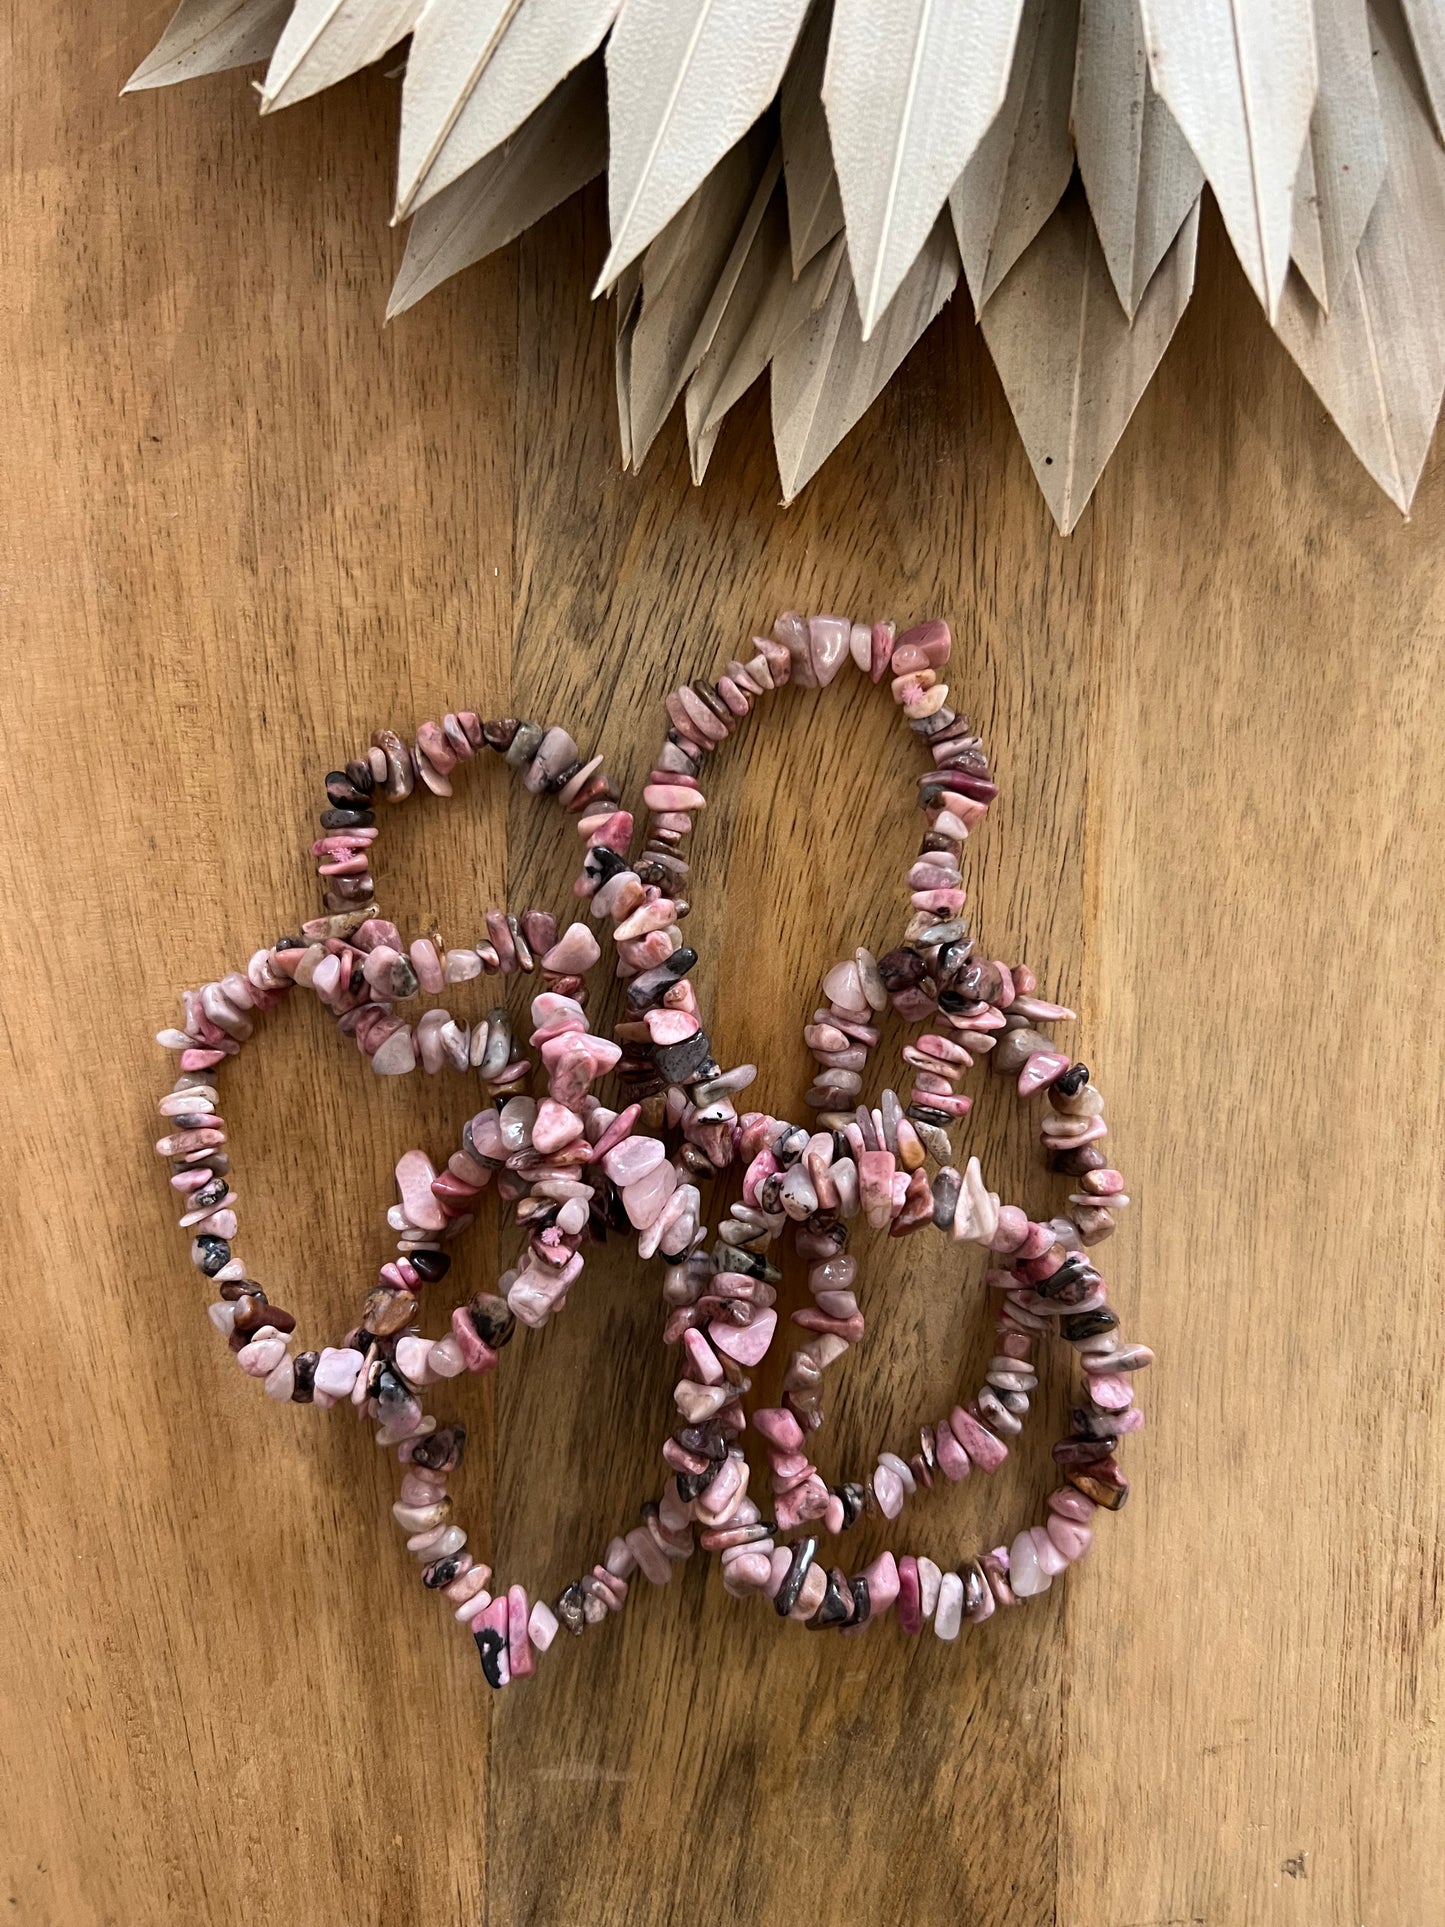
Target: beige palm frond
{"points": [[796, 187]]}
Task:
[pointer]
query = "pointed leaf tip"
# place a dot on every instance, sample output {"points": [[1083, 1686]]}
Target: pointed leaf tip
{"points": [[685, 80], [827, 375], [1072, 365], [558, 149], [1139, 174], [815, 207], [1022, 165], [1377, 360], [910, 90], [476, 70], [324, 41], [210, 37], [1240, 77]]}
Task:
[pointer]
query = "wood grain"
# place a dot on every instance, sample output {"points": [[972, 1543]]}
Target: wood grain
{"points": [[243, 523]]}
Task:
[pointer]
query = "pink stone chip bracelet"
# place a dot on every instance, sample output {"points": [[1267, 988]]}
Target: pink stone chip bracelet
{"points": [[571, 1167]]}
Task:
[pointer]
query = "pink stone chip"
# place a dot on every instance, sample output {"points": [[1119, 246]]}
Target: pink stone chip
{"points": [[1071, 1504], [808, 1500], [476, 1355], [948, 1618], [427, 965], [671, 1026], [930, 1578], [888, 1490], [415, 1173], [1060, 1139], [520, 1660], [554, 1126], [779, 1559], [910, 1596], [445, 1358], [615, 1130], [746, 1344], [751, 1570], [1073, 1540], [779, 1428], [644, 1198], [542, 1625], [652, 1561], [1111, 1391], [565, 1042], [1050, 1559], [987, 1452], [1038, 1011], [701, 1358], [573, 954], [1044, 1067], [412, 1358], [953, 1461], [657, 914], [478, 1601], [926, 646], [397, 1056], [875, 1183], [1011, 1230], [828, 640], [264, 1353], [632, 1159], [843, 986], [883, 634], [282, 1382], [336, 1371], [673, 796], [726, 1492], [882, 1577]]}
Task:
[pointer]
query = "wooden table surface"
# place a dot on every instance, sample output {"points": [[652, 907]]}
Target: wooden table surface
{"points": [[243, 524]]}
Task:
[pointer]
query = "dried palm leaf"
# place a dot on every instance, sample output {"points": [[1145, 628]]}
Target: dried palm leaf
{"points": [[761, 246], [828, 373], [1377, 360], [1072, 364], [764, 309], [1138, 171], [685, 80], [207, 37], [681, 271], [815, 207], [1426, 22], [1240, 77], [627, 293], [1023, 163], [1307, 241], [325, 40], [476, 70], [1344, 158], [910, 91], [561, 147]]}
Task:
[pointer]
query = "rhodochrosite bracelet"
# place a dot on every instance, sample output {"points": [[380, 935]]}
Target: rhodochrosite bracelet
{"points": [[573, 1170]]}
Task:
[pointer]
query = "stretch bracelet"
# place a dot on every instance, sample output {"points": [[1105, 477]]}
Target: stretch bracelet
{"points": [[364, 978], [383, 1364]]}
